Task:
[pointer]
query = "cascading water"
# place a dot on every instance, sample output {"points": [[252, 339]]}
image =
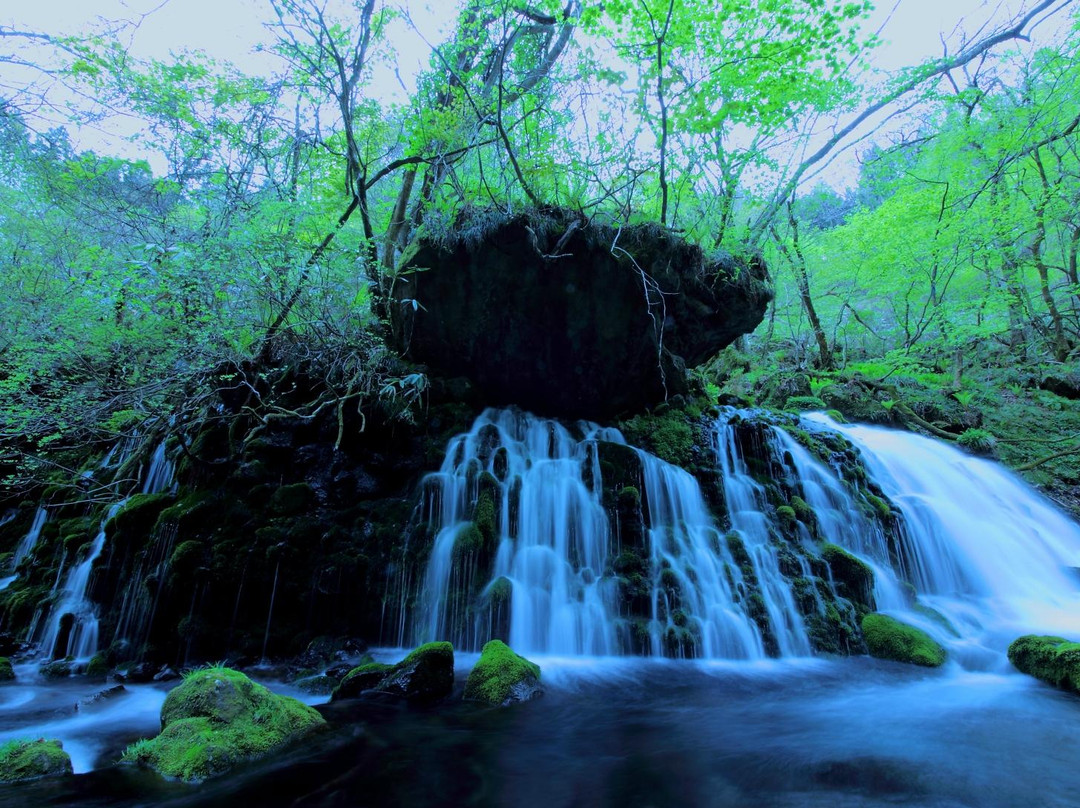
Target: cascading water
{"points": [[528, 493], [548, 528], [74, 614], [748, 508], [524, 549], [82, 632], [25, 546], [982, 548]]}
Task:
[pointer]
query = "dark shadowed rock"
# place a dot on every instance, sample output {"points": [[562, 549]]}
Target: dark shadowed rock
{"points": [[568, 318]]}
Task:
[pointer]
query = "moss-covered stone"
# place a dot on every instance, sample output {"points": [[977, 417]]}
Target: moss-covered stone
{"points": [[30, 760], [887, 638], [139, 514], [217, 719], [854, 579], [425, 675], [1055, 660], [97, 667], [361, 678], [7, 674], [59, 669], [290, 500], [501, 677], [668, 436]]}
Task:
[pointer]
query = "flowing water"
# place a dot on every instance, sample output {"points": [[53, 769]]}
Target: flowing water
{"points": [[73, 604], [26, 545], [988, 557]]}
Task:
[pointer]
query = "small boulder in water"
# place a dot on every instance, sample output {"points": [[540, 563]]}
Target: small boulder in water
{"points": [[7, 673], [31, 760], [361, 678], [166, 674], [890, 639], [424, 676], [59, 669], [1055, 660], [101, 697], [501, 677], [217, 719]]}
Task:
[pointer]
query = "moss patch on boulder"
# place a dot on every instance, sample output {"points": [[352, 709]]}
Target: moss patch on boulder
{"points": [[29, 760], [217, 719], [1055, 660], [890, 639], [7, 673], [361, 678], [501, 677], [424, 676], [854, 579]]}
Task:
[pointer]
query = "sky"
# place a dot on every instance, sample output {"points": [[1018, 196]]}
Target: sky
{"points": [[232, 30]]}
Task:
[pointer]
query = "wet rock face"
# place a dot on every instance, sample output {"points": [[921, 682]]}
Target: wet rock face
{"points": [[571, 319]]}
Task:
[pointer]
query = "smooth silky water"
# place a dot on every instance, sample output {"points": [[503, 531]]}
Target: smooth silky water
{"points": [[737, 729]]}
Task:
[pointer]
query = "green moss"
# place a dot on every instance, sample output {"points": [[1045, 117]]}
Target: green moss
{"points": [[803, 511], [60, 669], [190, 510], [7, 674], [139, 513], [484, 516], [786, 514], [216, 719], [501, 677], [803, 403], [501, 591], [629, 497], [1055, 660], [97, 667], [880, 505], [469, 541], [890, 639], [425, 675], [289, 500], [361, 678], [854, 579], [29, 760], [977, 440], [667, 436]]}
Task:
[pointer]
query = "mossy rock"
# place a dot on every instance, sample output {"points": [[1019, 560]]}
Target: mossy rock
{"points": [[1055, 660], [318, 685], [7, 673], [501, 677], [290, 500], [855, 578], [668, 436], [424, 676], [139, 513], [890, 639], [803, 403], [60, 669], [97, 667], [361, 678], [23, 760], [217, 719]]}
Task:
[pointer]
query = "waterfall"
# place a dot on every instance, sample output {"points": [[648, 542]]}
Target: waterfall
{"points": [[83, 630], [25, 546], [74, 613], [159, 476], [983, 548], [522, 548], [748, 510], [512, 495]]}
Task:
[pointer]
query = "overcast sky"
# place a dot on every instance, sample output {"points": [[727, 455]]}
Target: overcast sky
{"points": [[233, 30]]}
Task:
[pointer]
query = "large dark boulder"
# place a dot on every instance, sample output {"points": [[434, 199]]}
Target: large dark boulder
{"points": [[568, 318]]}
